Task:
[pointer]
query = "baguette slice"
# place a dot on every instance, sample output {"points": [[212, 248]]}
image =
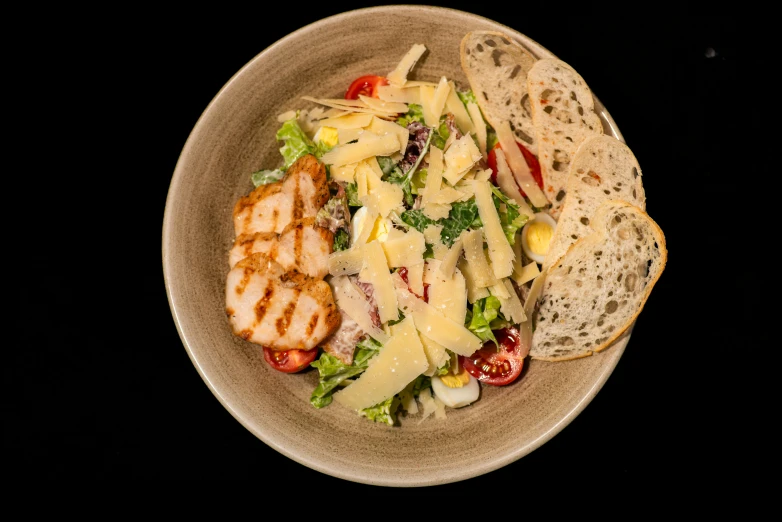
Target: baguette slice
{"points": [[496, 67], [603, 168], [598, 288], [563, 116]]}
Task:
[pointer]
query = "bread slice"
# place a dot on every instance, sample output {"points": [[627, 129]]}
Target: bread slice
{"points": [[603, 168], [496, 67], [563, 116], [598, 288]]}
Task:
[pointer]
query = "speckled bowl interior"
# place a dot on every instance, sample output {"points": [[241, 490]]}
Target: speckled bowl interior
{"points": [[234, 137]]}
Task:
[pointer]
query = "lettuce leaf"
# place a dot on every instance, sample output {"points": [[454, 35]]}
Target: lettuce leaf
{"points": [[332, 372], [384, 412], [264, 177], [296, 143], [478, 321], [510, 217], [414, 113]]}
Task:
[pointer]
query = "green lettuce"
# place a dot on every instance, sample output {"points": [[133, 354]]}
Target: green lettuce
{"points": [[384, 412], [341, 240], [296, 143], [510, 217], [483, 312], [414, 113], [264, 177], [463, 215], [332, 372]]}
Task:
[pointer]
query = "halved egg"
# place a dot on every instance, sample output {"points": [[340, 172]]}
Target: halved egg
{"points": [[456, 390], [380, 228], [536, 236]]}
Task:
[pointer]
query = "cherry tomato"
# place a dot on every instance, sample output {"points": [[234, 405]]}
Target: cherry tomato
{"points": [[532, 163], [491, 366], [289, 361], [403, 275], [366, 85]]}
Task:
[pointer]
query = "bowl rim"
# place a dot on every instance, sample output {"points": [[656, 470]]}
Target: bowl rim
{"points": [[489, 465]]}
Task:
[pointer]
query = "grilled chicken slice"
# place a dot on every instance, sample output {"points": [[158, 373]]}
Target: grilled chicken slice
{"points": [[302, 246], [270, 208], [279, 309]]}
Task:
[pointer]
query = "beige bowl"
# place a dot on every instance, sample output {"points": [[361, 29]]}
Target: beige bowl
{"points": [[234, 137]]}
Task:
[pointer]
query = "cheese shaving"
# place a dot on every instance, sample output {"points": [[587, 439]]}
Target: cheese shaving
{"points": [[518, 165]]}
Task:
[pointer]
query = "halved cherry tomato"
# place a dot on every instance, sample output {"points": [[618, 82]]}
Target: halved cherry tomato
{"points": [[497, 367], [366, 85], [532, 163], [289, 361], [403, 275]]}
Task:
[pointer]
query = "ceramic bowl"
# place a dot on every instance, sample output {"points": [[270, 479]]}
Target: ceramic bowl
{"points": [[234, 137]]}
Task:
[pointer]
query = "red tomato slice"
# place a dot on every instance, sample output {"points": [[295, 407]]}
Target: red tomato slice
{"points": [[403, 275], [289, 361], [491, 366], [532, 163], [366, 85]]}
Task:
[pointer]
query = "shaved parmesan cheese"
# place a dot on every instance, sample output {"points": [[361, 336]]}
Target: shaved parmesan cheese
{"points": [[368, 225], [474, 292], [480, 271], [349, 121], [347, 106], [427, 403], [499, 291], [511, 306], [407, 400], [345, 173], [526, 274], [436, 354], [459, 158], [383, 127], [401, 360], [378, 172], [348, 135], [398, 76], [384, 198], [446, 195], [479, 125], [508, 185], [427, 102], [447, 295], [361, 180], [383, 106], [518, 165], [346, 262], [500, 251], [415, 278], [455, 106], [405, 251], [352, 301], [417, 83], [433, 323], [451, 258], [436, 210], [369, 145], [434, 175], [432, 234], [376, 272], [432, 116], [439, 408], [392, 93]]}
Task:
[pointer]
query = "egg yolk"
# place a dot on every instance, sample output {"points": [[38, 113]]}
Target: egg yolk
{"points": [[379, 231], [538, 237], [329, 136], [455, 381]]}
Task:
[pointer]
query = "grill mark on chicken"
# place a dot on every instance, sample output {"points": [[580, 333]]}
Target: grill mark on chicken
{"points": [[312, 324], [261, 307], [287, 314], [298, 204], [298, 242]]}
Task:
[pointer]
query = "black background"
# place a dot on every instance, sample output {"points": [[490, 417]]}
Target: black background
{"points": [[101, 385]]}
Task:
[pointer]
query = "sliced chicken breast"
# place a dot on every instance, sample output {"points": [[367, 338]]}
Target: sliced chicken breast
{"points": [[279, 309], [301, 246], [270, 208]]}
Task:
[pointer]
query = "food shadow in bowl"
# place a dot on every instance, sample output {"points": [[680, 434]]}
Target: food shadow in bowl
{"points": [[234, 137]]}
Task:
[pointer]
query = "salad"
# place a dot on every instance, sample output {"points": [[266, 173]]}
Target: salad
{"points": [[435, 245]]}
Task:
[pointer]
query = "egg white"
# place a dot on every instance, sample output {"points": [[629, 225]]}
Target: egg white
{"points": [[456, 397]]}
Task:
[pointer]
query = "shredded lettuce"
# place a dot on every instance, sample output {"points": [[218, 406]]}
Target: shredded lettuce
{"points": [[351, 189], [462, 216], [384, 412], [414, 113], [332, 372], [341, 240], [478, 321], [510, 217], [264, 177], [296, 143], [467, 97]]}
